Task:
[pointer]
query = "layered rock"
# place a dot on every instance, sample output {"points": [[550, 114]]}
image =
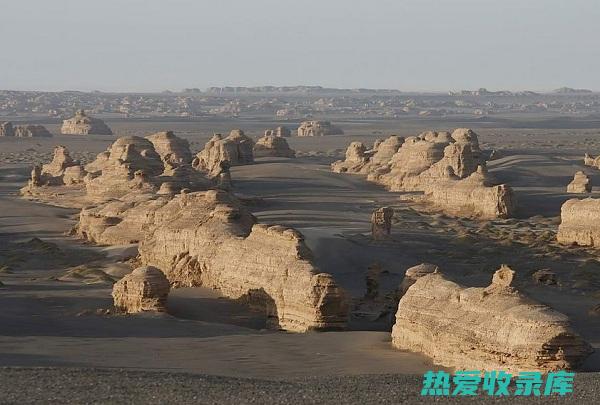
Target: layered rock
{"points": [[580, 184], [145, 289], [237, 149], [171, 148], [318, 128], [580, 222], [82, 124], [279, 131], [492, 328], [208, 239], [62, 170], [381, 223], [24, 131], [273, 146], [591, 161], [447, 167]]}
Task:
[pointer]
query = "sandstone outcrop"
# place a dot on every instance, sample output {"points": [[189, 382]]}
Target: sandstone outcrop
{"points": [[237, 149], [414, 273], [62, 170], [492, 328], [24, 131], [279, 131], [447, 167], [381, 223], [82, 124], [171, 148], [318, 128], [144, 289], [580, 222], [580, 184], [273, 146], [591, 161]]}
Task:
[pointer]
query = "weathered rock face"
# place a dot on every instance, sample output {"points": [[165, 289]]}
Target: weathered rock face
{"points": [[208, 239], [60, 171], [273, 146], [144, 289], [414, 273], [580, 184], [171, 148], [492, 328], [318, 128], [381, 223], [237, 149], [580, 222], [81, 124], [24, 131], [448, 168], [279, 131], [592, 161]]}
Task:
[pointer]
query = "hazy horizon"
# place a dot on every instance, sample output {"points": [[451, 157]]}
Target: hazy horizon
{"points": [[411, 45]]}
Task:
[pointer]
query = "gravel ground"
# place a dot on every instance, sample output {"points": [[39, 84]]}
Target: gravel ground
{"points": [[106, 386]]}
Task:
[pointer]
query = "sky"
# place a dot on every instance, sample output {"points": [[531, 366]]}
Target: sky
{"points": [[411, 45]]}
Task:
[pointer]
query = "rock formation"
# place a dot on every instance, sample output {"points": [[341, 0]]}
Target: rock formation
{"points": [[171, 148], [279, 131], [579, 222], [82, 124], [492, 328], [414, 273], [318, 128], [273, 146], [144, 289], [24, 131], [237, 149], [580, 184], [448, 168], [381, 223], [591, 161]]}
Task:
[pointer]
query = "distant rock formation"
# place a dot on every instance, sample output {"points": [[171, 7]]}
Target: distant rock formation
{"points": [[171, 148], [318, 128], [279, 131], [24, 131], [81, 124], [448, 168], [491, 328], [237, 149], [273, 146], [580, 222], [144, 290], [381, 223], [580, 184]]}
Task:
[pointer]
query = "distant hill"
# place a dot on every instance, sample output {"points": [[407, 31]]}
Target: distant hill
{"points": [[568, 90]]}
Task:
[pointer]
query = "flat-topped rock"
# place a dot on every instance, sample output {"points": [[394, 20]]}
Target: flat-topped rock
{"points": [[580, 222], [170, 147], [24, 131], [491, 328], [236, 149], [82, 124], [318, 128], [282, 131]]}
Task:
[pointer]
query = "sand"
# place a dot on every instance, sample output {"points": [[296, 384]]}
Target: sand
{"points": [[56, 308]]}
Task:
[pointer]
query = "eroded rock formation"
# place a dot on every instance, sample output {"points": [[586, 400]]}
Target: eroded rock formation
{"points": [[447, 167], [491, 328], [237, 149], [580, 222], [144, 289], [24, 131], [318, 128], [580, 184], [82, 124], [273, 146], [171, 148], [381, 223], [279, 131]]}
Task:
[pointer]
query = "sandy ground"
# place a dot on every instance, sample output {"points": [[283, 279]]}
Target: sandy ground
{"points": [[47, 321]]}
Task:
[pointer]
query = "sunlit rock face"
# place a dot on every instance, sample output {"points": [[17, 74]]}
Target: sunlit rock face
{"points": [[82, 124], [491, 328]]}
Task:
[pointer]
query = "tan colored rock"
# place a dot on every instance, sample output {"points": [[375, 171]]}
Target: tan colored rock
{"points": [[31, 131], [580, 222], [448, 168], [237, 149], [492, 328], [171, 148], [414, 273], [7, 129], [591, 161], [279, 131], [273, 146], [318, 128], [381, 223], [82, 124], [145, 289], [580, 184]]}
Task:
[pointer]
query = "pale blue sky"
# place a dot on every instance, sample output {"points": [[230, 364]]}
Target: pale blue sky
{"points": [[149, 45]]}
